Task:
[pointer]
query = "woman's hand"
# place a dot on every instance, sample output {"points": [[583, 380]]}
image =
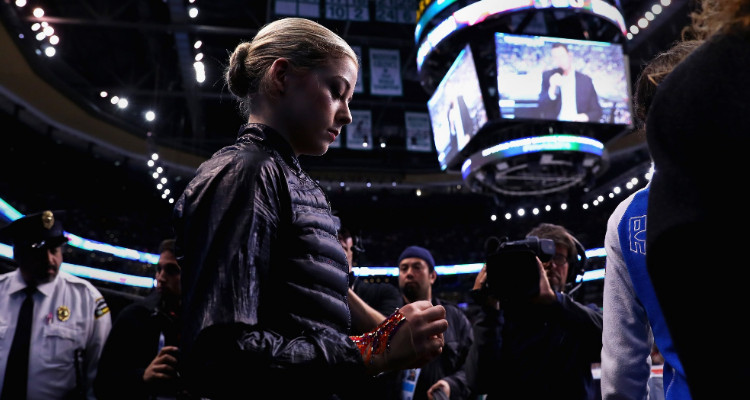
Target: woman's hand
{"points": [[417, 341]]}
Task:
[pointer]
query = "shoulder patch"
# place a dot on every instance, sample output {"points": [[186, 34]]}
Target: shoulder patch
{"points": [[101, 308]]}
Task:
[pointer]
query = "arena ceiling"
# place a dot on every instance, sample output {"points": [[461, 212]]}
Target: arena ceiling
{"points": [[144, 51]]}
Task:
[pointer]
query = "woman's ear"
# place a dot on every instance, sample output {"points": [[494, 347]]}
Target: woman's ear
{"points": [[278, 75]]}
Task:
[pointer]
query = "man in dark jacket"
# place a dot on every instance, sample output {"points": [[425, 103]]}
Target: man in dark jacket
{"points": [[382, 296], [534, 344], [139, 360], [415, 279]]}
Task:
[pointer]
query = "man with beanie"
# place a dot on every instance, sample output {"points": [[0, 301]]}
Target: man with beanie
{"points": [[416, 275]]}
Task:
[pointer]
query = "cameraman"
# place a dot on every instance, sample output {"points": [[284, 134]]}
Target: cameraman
{"points": [[540, 346]]}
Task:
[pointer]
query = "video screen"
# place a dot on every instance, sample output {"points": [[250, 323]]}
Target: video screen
{"points": [[456, 108], [562, 79]]}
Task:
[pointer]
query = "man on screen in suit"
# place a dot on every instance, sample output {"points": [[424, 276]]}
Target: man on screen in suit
{"points": [[567, 95]]}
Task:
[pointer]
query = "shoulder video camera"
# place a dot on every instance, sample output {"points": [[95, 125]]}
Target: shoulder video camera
{"points": [[512, 271]]}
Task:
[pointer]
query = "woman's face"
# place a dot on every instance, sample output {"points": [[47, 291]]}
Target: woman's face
{"points": [[315, 105]]}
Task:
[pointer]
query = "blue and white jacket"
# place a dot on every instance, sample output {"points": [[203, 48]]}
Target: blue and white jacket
{"points": [[633, 320]]}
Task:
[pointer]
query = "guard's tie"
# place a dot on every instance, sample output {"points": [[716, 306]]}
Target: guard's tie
{"points": [[17, 369]]}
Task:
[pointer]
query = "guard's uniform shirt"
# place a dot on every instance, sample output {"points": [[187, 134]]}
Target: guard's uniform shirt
{"points": [[71, 323]]}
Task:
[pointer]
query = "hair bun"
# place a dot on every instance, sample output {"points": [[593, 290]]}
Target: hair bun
{"points": [[236, 75]]}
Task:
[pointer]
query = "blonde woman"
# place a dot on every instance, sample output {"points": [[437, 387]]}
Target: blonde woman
{"points": [[264, 277]]}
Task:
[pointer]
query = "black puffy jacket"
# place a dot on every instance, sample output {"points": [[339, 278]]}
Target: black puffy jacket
{"points": [[264, 278]]}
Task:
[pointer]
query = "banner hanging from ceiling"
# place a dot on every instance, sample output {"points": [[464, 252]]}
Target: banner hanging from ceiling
{"points": [[385, 72], [418, 131], [359, 132]]}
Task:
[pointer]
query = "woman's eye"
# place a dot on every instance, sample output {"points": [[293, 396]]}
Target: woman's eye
{"points": [[336, 92]]}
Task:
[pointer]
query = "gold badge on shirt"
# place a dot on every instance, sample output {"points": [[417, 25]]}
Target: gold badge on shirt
{"points": [[48, 219], [63, 313]]}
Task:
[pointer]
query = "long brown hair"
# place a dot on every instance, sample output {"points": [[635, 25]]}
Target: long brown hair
{"points": [[653, 73], [718, 16]]}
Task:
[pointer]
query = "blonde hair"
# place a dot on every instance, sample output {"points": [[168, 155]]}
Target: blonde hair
{"points": [[305, 43], [718, 16]]}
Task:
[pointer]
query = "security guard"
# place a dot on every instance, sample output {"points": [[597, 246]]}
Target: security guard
{"points": [[50, 344]]}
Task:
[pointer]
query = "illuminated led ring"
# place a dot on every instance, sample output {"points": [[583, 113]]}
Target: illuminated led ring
{"points": [[476, 13], [471, 169]]}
